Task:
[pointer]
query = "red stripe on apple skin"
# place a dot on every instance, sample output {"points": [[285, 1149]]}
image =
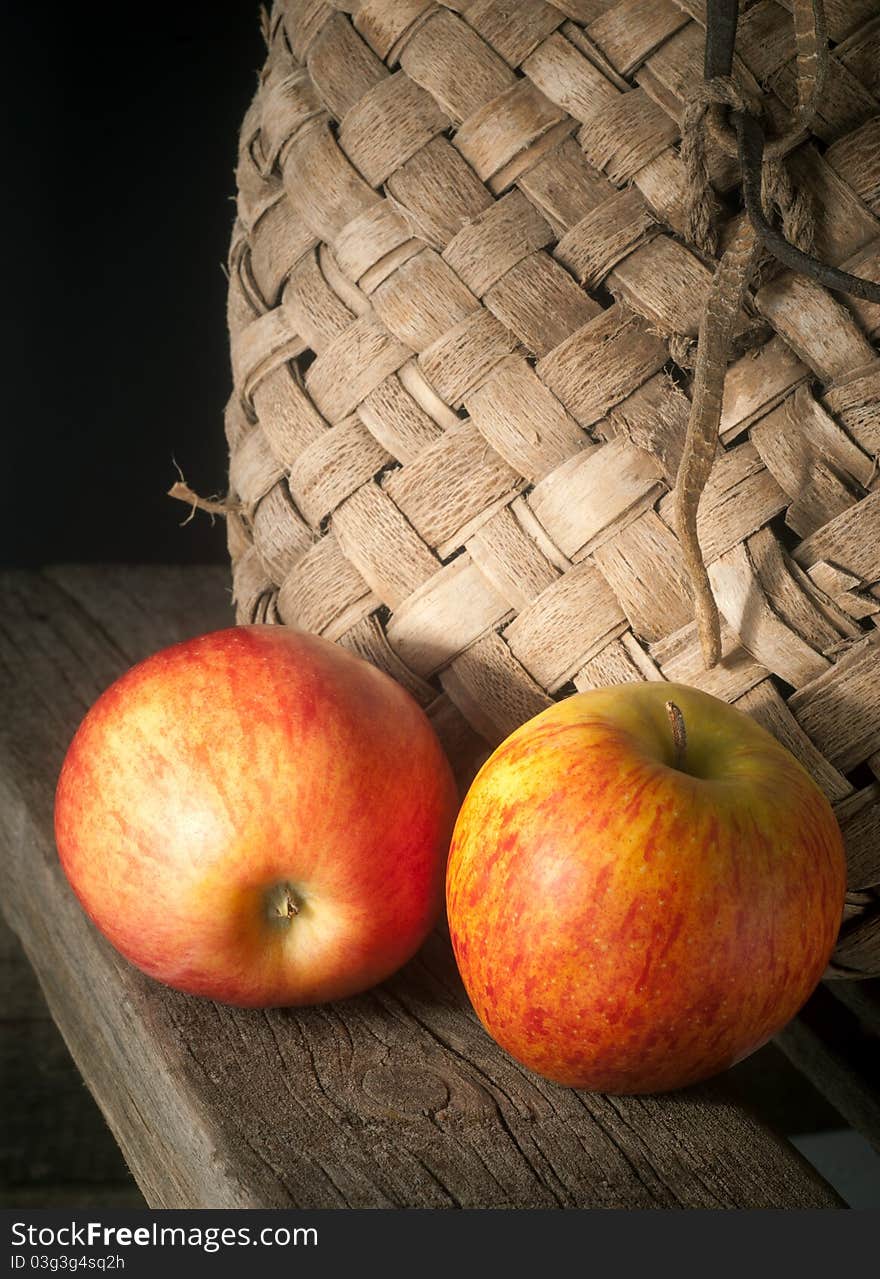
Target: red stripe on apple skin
{"points": [[640, 929], [240, 760]]}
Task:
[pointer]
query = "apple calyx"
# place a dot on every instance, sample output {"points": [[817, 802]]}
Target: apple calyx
{"points": [[679, 735], [281, 902]]}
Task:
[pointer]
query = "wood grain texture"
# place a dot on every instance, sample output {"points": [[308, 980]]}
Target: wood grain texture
{"points": [[395, 1098]]}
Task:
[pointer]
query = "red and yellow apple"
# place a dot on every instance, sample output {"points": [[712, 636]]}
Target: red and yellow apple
{"points": [[259, 816], [638, 896]]}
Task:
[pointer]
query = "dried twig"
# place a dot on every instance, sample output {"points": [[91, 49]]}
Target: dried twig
{"points": [[213, 505]]}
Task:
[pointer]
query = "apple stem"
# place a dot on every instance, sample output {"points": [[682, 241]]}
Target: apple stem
{"points": [[679, 734]]}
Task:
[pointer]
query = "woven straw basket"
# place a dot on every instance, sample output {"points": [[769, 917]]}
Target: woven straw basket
{"points": [[462, 310]]}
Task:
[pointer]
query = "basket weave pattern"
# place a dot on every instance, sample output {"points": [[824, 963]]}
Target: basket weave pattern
{"points": [[462, 311]]}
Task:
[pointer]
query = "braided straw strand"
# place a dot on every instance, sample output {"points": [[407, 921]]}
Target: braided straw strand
{"points": [[726, 297]]}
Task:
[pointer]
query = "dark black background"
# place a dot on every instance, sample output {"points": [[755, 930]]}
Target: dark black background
{"points": [[121, 123]]}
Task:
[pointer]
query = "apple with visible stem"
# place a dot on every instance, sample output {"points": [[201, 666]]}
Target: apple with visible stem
{"points": [[643, 887], [259, 816]]}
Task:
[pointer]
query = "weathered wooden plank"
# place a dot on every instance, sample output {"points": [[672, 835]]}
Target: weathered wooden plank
{"points": [[395, 1098], [835, 1042], [52, 1136]]}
